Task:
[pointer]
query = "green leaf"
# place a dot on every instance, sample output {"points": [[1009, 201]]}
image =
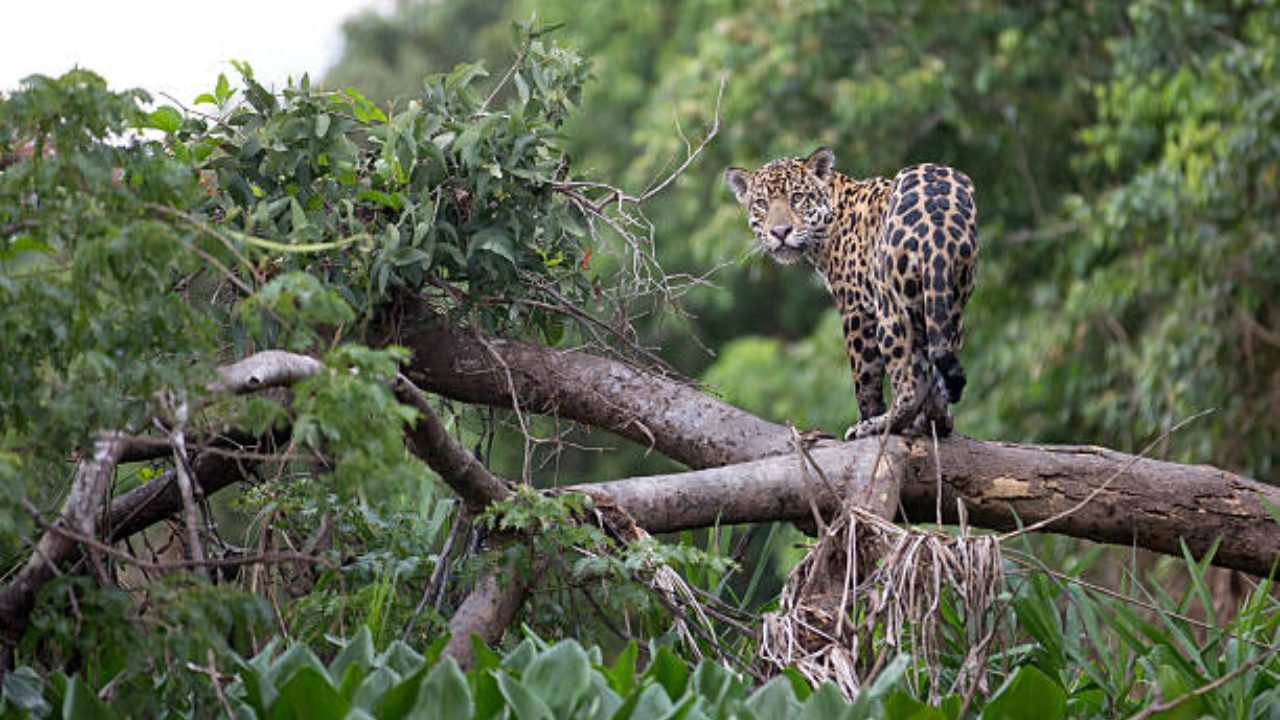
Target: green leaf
{"points": [[166, 119], [400, 699], [901, 706], [799, 685], [622, 676], [826, 703], [374, 687], [223, 91], [23, 688], [358, 651], [308, 696], [520, 658], [560, 676], [82, 703], [1028, 695], [774, 700], [444, 695], [1173, 684], [488, 696], [322, 125], [668, 671], [25, 243], [649, 703], [520, 698]]}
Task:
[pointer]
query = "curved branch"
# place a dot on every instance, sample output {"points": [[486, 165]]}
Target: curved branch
{"points": [[674, 418]]}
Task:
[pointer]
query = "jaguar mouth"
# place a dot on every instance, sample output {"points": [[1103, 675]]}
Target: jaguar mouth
{"points": [[787, 254]]}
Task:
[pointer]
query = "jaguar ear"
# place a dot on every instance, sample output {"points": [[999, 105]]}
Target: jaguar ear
{"points": [[739, 182], [821, 163]]}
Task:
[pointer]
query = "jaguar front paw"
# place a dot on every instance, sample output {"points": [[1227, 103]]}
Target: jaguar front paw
{"points": [[866, 428]]}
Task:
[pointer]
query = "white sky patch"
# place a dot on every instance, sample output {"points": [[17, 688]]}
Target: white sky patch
{"points": [[174, 46]]}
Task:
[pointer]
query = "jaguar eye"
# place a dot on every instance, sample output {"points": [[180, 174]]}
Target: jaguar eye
{"points": [[796, 199]]}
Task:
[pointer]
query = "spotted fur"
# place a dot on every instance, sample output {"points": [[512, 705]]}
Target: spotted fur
{"points": [[899, 256]]}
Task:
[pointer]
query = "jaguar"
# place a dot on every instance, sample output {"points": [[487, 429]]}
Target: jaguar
{"points": [[900, 258]]}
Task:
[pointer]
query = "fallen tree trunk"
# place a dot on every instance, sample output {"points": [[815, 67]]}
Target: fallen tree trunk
{"points": [[1150, 504]]}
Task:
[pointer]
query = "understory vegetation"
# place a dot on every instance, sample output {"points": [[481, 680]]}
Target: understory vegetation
{"points": [[1127, 164]]}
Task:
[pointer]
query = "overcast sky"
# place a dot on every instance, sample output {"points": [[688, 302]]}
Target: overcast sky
{"points": [[175, 46]]}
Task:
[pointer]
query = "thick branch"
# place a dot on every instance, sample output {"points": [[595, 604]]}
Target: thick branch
{"points": [[775, 488], [460, 469], [79, 514], [269, 368], [1150, 504], [677, 420]]}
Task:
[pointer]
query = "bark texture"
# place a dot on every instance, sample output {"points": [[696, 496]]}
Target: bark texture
{"points": [[775, 488], [674, 418]]}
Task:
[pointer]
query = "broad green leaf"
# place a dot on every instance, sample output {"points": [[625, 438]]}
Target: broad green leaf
{"points": [[401, 697], [23, 688], [358, 651], [901, 706], [826, 703], [1028, 695], [774, 700], [560, 676], [799, 686], [444, 695], [1173, 684], [308, 695], [374, 686], [520, 658], [622, 676], [485, 659], [82, 703], [488, 696], [668, 671], [166, 118], [290, 662], [651, 703], [522, 700]]}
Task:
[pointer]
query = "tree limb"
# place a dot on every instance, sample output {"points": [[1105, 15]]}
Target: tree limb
{"points": [[1151, 504], [79, 514]]}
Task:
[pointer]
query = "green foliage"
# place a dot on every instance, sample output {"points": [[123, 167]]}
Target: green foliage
{"points": [[612, 574], [95, 629], [534, 681], [88, 318], [341, 197]]}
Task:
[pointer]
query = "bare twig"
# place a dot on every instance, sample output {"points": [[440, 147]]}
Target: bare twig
{"points": [[176, 410], [1156, 708]]}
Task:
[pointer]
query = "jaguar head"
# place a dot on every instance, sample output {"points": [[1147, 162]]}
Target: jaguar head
{"points": [[788, 202]]}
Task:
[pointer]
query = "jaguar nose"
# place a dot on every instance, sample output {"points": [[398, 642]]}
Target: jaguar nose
{"points": [[780, 232]]}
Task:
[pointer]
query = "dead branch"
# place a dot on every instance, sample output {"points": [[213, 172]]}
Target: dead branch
{"points": [[79, 514], [269, 368]]}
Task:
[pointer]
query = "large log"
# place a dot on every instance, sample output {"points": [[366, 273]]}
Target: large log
{"points": [[1151, 504]]}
